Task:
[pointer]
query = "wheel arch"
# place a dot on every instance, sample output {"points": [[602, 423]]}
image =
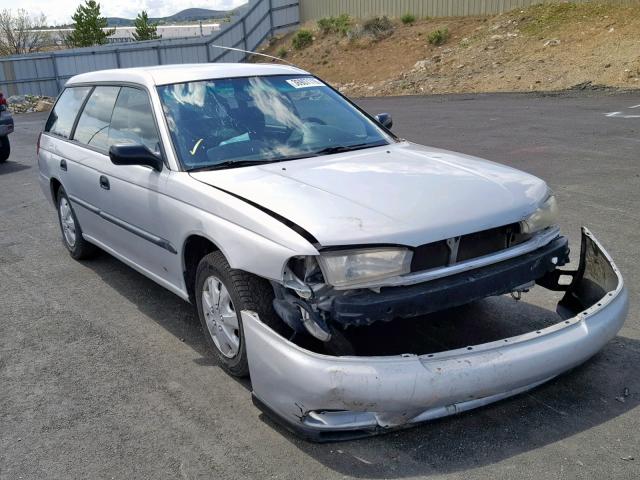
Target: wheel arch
{"points": [[54, 185], [194, 248]]}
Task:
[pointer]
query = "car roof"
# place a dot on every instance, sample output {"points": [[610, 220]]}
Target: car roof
{"points": [[168, 74]]}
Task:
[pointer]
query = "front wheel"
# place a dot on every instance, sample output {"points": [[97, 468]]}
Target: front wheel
{"points": [[5, 148], [221, 294]]}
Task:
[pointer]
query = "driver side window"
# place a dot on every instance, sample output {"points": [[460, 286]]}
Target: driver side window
{"points": [[132, 121]]}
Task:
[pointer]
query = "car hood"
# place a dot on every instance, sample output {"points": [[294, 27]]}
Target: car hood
{"points": [[397, 194]]}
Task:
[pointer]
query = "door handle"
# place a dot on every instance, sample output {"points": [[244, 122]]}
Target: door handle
{"points": [[104, 182], [63, 165]]}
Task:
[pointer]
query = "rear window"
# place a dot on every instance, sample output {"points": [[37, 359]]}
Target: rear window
{"points": [[93, 126], [64, 113]]}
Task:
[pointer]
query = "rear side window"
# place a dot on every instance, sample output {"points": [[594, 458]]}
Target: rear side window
{"points": [[132, 121], [64, 114], [93, 126]]}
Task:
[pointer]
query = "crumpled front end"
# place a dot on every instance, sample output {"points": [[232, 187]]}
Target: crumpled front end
{"points": [[326, 398]]}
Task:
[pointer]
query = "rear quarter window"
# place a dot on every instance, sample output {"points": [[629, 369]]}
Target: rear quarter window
{"points": [[63, 115]]}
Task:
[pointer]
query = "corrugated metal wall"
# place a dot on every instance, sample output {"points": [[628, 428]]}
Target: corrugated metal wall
{"points": [[45, 74], [315, 9]]}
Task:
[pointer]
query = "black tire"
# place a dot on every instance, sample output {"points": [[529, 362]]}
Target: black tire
{"points": [[80, 249], [247, 292], [5, 148], [339, 344]]}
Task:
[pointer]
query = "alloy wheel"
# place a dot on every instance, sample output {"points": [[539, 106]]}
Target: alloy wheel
{"points": [[68, 223], [220, 317]]}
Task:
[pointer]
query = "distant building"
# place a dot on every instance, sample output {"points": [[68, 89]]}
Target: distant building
{"points": [[125, 34]]}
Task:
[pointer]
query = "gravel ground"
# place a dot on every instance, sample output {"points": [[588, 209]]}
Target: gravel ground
{"points": [[104, 374]]}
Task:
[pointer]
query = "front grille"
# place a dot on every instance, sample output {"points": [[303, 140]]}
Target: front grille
{"points": [[472, 245]]}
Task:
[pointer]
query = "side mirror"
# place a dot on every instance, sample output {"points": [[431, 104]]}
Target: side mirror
{"points": [[134, 155], [385, 120]]}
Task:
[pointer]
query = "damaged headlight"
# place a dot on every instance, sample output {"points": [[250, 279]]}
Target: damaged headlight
{"points": [[545, 216], [351, 267]]}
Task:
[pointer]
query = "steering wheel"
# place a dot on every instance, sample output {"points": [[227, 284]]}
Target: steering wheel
{"points": [[317, 120]]}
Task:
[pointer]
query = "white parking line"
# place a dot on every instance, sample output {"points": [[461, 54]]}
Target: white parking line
{"points": [[622, 115]]}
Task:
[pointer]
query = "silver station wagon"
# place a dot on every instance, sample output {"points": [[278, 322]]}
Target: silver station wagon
{"points": [[296, 223]]}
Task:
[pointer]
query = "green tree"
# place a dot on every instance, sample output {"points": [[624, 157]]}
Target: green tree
{"points": [[89, 28], [144, 29]]}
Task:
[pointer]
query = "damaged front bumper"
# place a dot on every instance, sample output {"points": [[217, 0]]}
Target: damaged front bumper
{"points": [[327, 398]]}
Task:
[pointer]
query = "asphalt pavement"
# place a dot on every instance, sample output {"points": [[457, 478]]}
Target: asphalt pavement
{"points": [[104, 374]]}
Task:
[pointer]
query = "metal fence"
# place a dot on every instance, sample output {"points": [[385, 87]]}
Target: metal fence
{"points": [[315, 9], [46, 74]]}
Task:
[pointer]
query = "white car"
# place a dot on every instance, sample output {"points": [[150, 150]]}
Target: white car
{"points": [[293, 221]]}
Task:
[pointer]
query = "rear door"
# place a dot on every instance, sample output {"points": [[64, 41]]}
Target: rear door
{"points": [[86, 156]]}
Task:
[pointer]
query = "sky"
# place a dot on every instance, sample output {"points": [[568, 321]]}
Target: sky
{"points": [[59, 11]]}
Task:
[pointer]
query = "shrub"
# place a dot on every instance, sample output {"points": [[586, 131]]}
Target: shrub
{"points": [[281, 53], [355, 33], [340, 25], [438, 37], [378, 27], [408, 18], [302, 39], [325, 25]]}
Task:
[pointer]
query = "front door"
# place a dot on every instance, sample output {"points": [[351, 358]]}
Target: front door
{"points": [[131, 198]]}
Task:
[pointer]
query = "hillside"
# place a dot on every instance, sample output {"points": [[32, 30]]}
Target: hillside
{"points": [[542, 48], [187, 15]]}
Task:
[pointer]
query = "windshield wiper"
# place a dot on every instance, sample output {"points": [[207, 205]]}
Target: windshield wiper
{"points": [[229, 164], [347, 148], [324, 151]]}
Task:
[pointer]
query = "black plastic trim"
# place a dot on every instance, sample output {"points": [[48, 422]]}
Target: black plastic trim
{"points": [[72, 132], [365, 307], [150, 237]]}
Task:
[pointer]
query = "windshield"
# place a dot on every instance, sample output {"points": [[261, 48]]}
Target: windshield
{"points": [[239, 121]]}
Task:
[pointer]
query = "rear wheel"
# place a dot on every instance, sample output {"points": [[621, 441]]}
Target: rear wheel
{"points": [[5, 148], [72, 238], [221, 294]]}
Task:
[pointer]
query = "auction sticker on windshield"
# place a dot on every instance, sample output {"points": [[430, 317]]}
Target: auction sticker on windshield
{"points": [[305, 82]]}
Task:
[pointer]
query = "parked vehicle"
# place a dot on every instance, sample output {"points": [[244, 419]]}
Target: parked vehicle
{"points": [[6, 127], [290, 218]]}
